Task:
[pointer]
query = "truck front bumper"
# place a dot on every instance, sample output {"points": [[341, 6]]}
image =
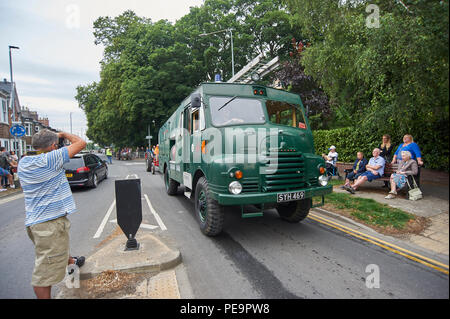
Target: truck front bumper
{"points": [[259, 198]]}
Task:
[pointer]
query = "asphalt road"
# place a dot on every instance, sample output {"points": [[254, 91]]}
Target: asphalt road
{"points": [[260, 257]]}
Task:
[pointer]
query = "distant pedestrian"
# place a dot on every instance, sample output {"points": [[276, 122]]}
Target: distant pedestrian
{"points": [[109, 155], [6, 178], [48, 200]]}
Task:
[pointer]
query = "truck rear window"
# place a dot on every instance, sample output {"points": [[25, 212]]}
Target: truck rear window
{"points": [[229, 110]]}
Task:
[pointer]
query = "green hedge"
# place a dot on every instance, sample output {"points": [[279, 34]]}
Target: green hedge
{"points": [[349, 141]]}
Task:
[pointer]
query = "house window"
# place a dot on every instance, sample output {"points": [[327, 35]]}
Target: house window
{"points": [[28, 129], [4, 112]]}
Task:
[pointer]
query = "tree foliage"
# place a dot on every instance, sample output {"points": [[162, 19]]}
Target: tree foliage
{"points": [[387, 79], [149, 67]]}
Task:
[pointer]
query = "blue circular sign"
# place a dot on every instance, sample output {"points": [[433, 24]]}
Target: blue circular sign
{"points": [[17, 130]]}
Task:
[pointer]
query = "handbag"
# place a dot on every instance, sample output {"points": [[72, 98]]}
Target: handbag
{"points": [[414, 193]]}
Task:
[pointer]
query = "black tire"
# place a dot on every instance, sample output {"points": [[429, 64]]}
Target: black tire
{"points": [[294, 212], [171, 185], [209, 213], [94, 182]]}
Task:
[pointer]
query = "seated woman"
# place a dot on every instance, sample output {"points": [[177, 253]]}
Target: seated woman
{"points": [[359, 167], [407, 166]]}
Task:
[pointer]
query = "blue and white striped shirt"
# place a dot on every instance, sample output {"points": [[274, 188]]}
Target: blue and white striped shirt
{"points": [[46, 190]]}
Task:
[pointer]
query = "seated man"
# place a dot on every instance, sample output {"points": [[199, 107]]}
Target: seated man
{"points": [[359, 167], [374, 170], [330, 160]]}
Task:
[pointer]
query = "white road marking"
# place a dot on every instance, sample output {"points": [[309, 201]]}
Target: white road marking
{"points": [[11, 198], [146, 226], [105, 220], [132, 175], [158, 219]]}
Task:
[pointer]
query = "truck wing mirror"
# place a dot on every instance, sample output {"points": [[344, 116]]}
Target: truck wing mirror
{"points": [[195, 100]]}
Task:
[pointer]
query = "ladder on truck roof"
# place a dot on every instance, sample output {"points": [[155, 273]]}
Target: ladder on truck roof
{"points": [[260, 65]]}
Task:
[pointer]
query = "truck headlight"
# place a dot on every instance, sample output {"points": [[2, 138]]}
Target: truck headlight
{"points": [[323, 180], [235, 188]]}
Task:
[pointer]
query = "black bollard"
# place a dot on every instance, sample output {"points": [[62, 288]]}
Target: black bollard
{"points": [[129, 209]]}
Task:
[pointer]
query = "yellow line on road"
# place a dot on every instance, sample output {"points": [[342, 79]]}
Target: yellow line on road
{"points": [[408, 254]]}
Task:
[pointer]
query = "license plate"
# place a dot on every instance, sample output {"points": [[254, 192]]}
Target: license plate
{"points": [[69, 175], [288, 197]]}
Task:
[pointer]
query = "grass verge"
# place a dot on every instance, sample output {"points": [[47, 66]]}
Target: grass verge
{"points": [[381, 217]]}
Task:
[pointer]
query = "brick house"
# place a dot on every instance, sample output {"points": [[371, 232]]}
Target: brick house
{"points": [[29, 119], [6, 115]]}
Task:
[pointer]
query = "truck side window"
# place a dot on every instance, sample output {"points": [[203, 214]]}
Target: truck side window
{"points": [[196, 120], [187, 120]]}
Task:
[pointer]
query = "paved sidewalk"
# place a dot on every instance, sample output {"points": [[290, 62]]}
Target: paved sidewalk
{"points": [[113, 273], [434, 206]]}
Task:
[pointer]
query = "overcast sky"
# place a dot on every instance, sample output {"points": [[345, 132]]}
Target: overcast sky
{"points": [[57, 51]]}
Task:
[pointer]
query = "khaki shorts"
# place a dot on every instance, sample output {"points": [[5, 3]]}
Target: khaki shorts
{"points": [[51, 241]]}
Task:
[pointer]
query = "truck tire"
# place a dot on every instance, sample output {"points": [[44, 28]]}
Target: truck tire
{"points": [[209, 213], [294, 212], [171, 185]]}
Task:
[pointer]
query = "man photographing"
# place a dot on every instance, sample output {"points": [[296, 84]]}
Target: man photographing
{"points": [[48, 199]]}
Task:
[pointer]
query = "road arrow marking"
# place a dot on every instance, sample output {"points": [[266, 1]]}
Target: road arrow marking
{"points": [[158, 219]]}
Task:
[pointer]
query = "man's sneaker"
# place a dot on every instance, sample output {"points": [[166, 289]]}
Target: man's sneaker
{"points": [[390, 196], [79, 261], [393, 192], [3, 189], [12, 186], [350, 189]]}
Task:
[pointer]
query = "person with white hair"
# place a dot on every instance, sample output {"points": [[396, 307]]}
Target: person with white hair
{"points": [[407, 167], [374, 170]]}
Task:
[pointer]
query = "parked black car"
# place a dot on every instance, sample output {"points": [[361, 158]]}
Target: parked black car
{"points": [[86, 170]]}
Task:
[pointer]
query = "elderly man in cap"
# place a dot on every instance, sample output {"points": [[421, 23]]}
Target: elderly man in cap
{"points": [[48, 201], [330, 160], [374, 170]]}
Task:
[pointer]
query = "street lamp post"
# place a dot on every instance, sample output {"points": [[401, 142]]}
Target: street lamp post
{"points": [[232, 50], [149, 136], [12, 95]]}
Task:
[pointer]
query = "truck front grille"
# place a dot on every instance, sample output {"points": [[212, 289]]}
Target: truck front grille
{"points": [[284, 171]]}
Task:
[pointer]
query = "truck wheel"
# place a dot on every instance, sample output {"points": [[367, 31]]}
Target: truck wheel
{"points": [[294, 212], [209, 213], [171, 185]]}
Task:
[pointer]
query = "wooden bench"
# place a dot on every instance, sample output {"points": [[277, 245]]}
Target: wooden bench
{"points": [[388, 169]]}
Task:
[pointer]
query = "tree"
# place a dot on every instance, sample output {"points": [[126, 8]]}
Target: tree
{"points": [[391, 79]]}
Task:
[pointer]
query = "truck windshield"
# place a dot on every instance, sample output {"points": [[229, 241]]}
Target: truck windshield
{"points": [[285, 114], [229, 110]]}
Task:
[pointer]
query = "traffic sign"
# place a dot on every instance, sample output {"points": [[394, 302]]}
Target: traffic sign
{"points": [[148, 137], [17, 130]]}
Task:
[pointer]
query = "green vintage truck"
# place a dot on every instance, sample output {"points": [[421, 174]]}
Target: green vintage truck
{"points": [[241, 144]]}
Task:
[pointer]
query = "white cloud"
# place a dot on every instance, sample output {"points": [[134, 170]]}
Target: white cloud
{"points": [[31, 79]]}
